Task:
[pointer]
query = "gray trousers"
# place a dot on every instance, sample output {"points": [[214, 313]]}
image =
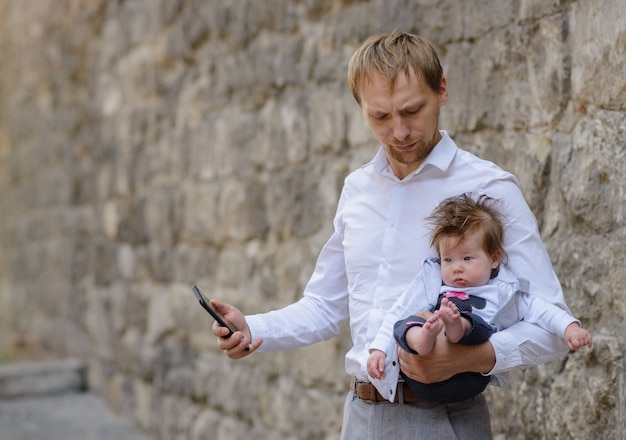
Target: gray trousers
{"points": [[429, 421]]}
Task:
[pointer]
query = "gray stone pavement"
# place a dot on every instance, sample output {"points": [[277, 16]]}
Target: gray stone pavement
{"points": [[69, 416], [47, 401]]}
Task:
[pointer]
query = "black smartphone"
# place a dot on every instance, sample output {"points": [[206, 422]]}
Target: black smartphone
{"points": [[205, 303]]}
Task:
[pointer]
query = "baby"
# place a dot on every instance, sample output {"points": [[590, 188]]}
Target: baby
{"points": [[468, 236]]}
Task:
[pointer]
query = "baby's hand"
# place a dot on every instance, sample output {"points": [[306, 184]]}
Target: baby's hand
{"points": [[576, 337], [376, 364]]}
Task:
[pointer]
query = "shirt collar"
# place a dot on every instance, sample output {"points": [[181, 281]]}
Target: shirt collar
{"points": [[441, 157]]}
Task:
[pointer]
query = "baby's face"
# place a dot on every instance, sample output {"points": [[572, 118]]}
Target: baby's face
{"points": [[464, 263]]}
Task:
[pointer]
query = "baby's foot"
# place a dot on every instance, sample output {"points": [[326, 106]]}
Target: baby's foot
{"points": [[456, 326], [422, 339]]}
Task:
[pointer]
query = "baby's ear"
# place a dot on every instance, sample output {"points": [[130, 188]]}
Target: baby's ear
{"points": [[496, 259]]}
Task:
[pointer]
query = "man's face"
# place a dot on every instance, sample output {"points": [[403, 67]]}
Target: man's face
{"points": [[404, 119]]}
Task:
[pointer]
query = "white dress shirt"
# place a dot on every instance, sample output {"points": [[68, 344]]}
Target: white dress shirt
{"points": [[377, 248]]}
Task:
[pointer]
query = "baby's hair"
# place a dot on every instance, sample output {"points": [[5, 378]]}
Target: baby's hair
{"points": [[461, 215]]}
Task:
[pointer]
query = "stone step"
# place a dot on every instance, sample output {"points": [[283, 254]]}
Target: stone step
{"points": [[39, 378]]}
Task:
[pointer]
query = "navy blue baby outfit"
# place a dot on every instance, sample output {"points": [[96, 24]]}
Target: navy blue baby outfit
{"points": [[462, 386]]}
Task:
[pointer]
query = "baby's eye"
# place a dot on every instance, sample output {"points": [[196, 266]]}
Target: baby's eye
{"points": [[467, 258]]}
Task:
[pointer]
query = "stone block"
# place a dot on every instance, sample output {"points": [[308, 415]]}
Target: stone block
{"points": [[41, 378], [597, 41]]}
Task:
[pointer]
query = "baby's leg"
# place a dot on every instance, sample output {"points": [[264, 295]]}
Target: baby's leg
{"points": [[421, 339], [456, 326]]}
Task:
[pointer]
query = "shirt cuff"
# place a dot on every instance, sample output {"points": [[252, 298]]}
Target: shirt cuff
{"points": [[506, 349], [258, 329]]}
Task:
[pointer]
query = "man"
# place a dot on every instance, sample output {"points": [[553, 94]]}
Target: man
{"points": [[379, 237]]}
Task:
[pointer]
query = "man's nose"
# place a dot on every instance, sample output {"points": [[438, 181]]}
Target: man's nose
{"points": [[400, 128]]}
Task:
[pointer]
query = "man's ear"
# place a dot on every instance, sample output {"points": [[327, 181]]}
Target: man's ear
{"points": [[443, 92]]}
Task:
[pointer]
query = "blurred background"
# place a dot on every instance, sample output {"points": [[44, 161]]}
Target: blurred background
{"points": [[148, 145]]}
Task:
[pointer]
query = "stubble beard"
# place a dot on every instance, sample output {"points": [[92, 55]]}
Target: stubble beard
{"points": [[417, 155]]}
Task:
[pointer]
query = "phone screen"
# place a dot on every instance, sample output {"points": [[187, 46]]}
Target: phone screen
{"points": [[205, 303]]}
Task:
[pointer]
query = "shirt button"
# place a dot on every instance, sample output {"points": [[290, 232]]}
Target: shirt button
{"points": [[385, 265]]}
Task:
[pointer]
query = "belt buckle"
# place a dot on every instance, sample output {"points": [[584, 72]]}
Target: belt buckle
{"points": [[355, 385], [364, 390]]}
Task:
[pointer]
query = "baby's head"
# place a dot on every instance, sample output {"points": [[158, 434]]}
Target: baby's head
{"points": [[461, 217]]}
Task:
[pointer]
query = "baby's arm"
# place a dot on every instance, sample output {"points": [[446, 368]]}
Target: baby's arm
{"points": [[555, 320], [376, 364], [576, 337]]}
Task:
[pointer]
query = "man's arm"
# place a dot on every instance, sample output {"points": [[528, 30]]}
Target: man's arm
{"points": [[519, 346]]}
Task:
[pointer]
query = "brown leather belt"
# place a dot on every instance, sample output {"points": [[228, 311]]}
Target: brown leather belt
{"points": [[368, 392]]}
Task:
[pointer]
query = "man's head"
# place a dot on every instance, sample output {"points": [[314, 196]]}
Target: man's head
{"points": [[398, 82], [391, 54]]}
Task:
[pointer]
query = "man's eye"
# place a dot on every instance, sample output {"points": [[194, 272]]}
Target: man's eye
{"points": [[413, 111]]}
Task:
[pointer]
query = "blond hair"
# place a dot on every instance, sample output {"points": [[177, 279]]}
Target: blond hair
{"points": [[391, 54]]}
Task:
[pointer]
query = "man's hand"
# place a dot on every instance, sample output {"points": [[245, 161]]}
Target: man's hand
{"points": [[240, 344], [447, 359]]}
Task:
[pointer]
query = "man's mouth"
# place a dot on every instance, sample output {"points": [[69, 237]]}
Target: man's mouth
{"points": [[406, 147]]}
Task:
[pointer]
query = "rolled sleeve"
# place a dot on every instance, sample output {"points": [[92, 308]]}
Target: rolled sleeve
{"points": [[523, 345], [507, 352]]}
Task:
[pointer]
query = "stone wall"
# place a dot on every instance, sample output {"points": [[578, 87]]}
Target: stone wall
{"points": [[146, 145]]}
